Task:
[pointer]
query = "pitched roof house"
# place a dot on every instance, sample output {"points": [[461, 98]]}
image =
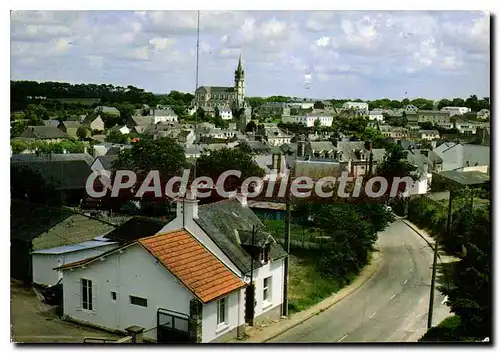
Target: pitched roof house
{"points": [[43, 133], [224, 228], [69, 127], [169, 283], [93, 122], [36, 228]]}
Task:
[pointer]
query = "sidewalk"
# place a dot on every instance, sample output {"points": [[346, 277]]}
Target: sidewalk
{"points": [[443, 257], [265, 333]]}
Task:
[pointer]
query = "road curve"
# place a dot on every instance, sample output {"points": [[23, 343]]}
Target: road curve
{"points": [[390, 307]]}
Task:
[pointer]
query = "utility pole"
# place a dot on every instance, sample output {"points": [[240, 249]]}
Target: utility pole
{"points": [[288, 218], [434, 264], [196, 89]]}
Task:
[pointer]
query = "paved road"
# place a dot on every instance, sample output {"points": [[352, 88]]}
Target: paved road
{"points": [[390, 307]]}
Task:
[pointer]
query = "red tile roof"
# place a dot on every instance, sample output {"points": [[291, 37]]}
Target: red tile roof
{"points": [[196, 267]]}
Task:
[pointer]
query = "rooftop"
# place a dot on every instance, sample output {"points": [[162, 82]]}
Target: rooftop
{"points": [[466, 178], [91, 244], [197, 268]]}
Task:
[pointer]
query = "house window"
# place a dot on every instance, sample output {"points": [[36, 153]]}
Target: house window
{"points": [[266, 291], [86, 294], [113, 296], [138, 301], [221, 311]]}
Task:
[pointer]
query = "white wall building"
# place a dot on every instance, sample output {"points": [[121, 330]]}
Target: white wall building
{"points": [[301, 105], [137, 284], [375, 116], [456, 110], [428, 134], [467, 127], [44, 261], [325, 120], [483, 114], [228, 216], [361, 107], [163, 115], [411, 109], [225, 113]]}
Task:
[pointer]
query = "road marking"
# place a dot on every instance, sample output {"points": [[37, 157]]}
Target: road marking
{"points": [[406, 281], [340, 340], [444, 300], [393, 296], [372, 315]]}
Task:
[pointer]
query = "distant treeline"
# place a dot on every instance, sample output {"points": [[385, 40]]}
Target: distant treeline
{"points": [[473, 102]]}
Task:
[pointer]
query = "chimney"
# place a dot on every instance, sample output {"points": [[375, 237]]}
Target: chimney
{"points": [[426, 169], [301, 146], [187, 207], [275, 164], [242, 198]]}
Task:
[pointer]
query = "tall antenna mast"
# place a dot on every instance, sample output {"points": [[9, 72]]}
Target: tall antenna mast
{"points": [[197, 70]]}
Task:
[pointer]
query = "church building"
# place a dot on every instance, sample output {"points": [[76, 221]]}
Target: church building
{"points": [[209, 98]]}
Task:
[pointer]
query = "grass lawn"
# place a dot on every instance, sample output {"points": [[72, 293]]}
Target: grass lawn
{"points": [[297, 232], [307, 286]]}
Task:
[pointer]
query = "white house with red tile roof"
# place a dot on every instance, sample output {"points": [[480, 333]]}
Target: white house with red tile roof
{"points": [[170, 284], [225, 228]]}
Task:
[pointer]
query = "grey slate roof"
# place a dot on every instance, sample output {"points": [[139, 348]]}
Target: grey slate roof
{"points": [[62, 174], [51, 122], [49, 227], [220, 220], [43, 132], [257, 146], [107, 110], [217, 89], [142, 120], [70, 123], [107, 161], [135, 228], [31, 157], [89, 118], [347, 148], [322, 146]]}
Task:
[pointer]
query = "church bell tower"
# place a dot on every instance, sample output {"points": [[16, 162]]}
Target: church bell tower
{"points": [[239, 85]]}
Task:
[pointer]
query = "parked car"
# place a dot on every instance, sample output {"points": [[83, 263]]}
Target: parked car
{"points": [[53, 294]]}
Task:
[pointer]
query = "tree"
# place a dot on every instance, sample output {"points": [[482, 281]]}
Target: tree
{"points": [[317, 125], [256, 101], [351, 238], [217, 162], [17, 127], [469, 295], [28, 184], [127, 110], [163, 154], [444, 103], [395, 165], [18, 146], [251, 126], [82, 132], [371, 134], [426, 125], [115, 136]]}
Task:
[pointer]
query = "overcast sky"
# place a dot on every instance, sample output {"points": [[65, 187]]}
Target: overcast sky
{"points": [[327, 54]]}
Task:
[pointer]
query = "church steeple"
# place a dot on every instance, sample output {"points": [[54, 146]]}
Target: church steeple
{"points": [[239, 73], [239, 85]]}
